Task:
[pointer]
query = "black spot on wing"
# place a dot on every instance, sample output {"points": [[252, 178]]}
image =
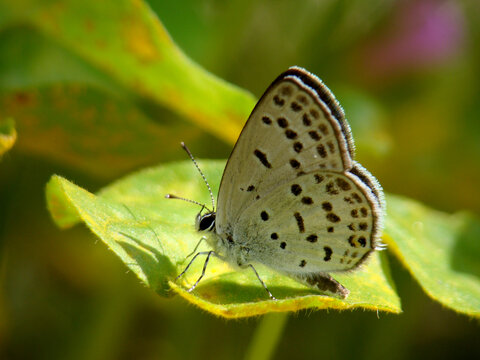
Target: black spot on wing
{"points": [[306, 120], [290, 134], [295, 106], [263, 158], [323, 128], [295, 163], [327, 206], [300, 223], [267, 120], [278, 101], [314, 135], [328, 253], [362, 241], [307, 200], [343, 184], [318, 178], [296, 189], [282, 122], [297, 146], [333, 217], [264, 215], [321, 151]]}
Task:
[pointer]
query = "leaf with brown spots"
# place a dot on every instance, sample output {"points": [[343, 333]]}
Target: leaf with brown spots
{"points": [[127, 42], [84, 128]]}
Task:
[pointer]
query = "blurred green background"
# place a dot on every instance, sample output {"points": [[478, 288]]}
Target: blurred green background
{"points": [[406, 73]]}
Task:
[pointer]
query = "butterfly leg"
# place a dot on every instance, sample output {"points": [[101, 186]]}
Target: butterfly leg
{"points": [[196, 246], [208, 253], [261, 281]]}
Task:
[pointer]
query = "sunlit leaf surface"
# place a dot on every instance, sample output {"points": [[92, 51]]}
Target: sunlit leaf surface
{"points": [[153, 236], [440, 250]]}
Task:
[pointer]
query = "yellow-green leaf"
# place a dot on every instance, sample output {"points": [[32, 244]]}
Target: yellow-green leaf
{"points": [[440, 250], [154, 236], [126, 40]]}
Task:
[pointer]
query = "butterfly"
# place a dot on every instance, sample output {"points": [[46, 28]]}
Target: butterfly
{"points": [[291, 196]]}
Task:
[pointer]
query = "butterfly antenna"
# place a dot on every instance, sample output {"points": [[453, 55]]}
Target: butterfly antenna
{"points": [[201, 173], [171, 196]]}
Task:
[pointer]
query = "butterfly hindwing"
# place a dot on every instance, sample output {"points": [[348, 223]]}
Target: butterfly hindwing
{"points": [[322, 221]]}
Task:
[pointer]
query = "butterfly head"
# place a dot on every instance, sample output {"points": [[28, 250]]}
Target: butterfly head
{"points": [[205, 222]]}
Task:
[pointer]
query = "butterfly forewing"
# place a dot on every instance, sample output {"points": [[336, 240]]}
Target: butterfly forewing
{"points": [[290, 132], [326, 96]]}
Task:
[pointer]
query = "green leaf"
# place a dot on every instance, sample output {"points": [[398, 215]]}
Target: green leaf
{"points": [[126, 41], [153, 236], [440, 250], [32, 60], [8, 135]]}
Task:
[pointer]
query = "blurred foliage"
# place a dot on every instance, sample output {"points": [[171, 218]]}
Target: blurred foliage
{"points": [[132, 52], [8, 135], [86, 85]]}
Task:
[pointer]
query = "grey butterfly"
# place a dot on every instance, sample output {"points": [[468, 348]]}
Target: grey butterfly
{"points": [[291, 196]]}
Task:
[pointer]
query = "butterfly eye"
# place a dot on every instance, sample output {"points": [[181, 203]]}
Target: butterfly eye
{"points": [[206, 222]]}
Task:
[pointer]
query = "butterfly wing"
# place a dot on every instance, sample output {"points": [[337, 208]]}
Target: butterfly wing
{"points": [[322, 221], [291, 192], [296, 127]]}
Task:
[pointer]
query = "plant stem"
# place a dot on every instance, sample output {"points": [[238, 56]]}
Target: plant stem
{"points": [[266, 336]]}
